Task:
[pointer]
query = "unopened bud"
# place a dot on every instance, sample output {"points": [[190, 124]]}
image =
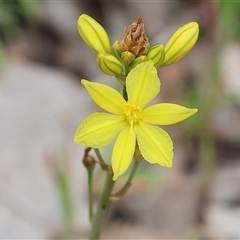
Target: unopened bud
{"points": [[137, 61], [115, 50], [181, 43], [93, 34], [156, 54], [89, 162], [109, 64], [127, 57]]}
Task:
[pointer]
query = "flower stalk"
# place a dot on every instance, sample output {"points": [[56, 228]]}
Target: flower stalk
{"points": [[103, 165], [90, 195], [128, 183], [89, 163], [102, 208]]}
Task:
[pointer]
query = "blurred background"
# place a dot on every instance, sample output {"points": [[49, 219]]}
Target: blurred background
{"points": [[43, 185]]}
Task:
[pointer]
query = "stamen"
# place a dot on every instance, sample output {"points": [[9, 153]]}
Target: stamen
{"points": [[133, 113]]}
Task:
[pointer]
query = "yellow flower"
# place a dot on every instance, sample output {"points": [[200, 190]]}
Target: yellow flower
{"points": [[131, 120], [93, 34]]}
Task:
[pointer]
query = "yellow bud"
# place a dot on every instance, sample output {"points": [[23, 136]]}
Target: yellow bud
{"points": [[181, 43], [115, 50], [137, 61], [93, 34], [127, 57], [109, 64], [156, 54]]}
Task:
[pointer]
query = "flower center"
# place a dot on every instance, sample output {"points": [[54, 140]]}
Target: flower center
{"points": [[133, 113]]}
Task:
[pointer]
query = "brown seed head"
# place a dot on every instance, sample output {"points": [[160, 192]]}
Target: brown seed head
{"points": [[134, 38]]}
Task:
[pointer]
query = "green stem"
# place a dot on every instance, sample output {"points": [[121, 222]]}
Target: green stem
{"points": [[128, 183], [103, 205], [90, 198], [100, 159], [125, 93], [126, 71]]}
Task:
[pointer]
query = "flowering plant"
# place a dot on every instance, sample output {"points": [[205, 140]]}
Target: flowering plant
{"points": [[128, 118]]}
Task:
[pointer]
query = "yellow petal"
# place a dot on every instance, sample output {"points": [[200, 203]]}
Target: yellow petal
{"points": [[166, 113], [99, 129], [123, 151], [154, 144], [105, 97], [93, 34], [142, 84]]}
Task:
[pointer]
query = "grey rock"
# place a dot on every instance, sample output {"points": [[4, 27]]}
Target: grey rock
{"points": [[229, 70], [40, 109], [223, 213]]}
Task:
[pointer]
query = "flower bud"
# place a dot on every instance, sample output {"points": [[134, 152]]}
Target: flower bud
{"points": [[134, 39], [127, 57], [89, 162], [115, 50], [109, 64], [137, 61], [156, 54], [181, 43], [93, 34]]}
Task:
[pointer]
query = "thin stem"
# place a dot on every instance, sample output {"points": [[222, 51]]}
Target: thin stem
{"points": [[103, 205], [90, 198], [125, 93], [126, 71], [100, 158], [128, 183], [121, 79]]}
